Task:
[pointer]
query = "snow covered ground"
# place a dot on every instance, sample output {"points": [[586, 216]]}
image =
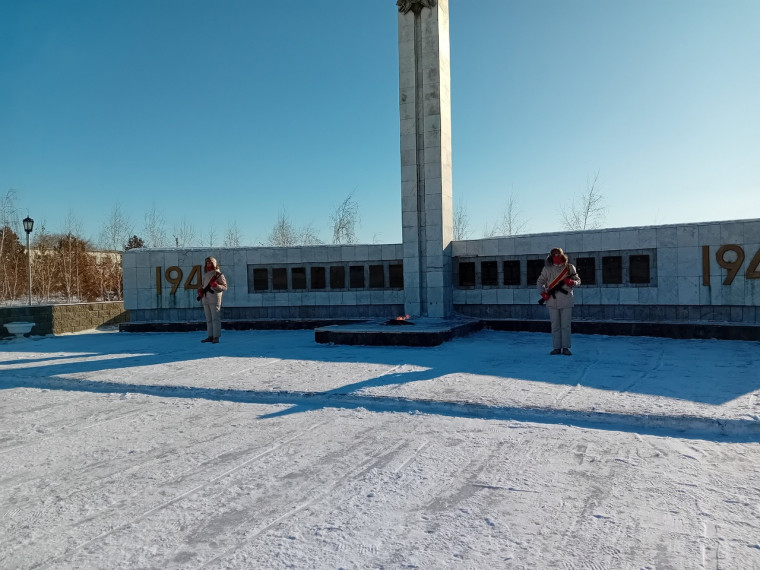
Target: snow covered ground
{"points": [[268, 450]]}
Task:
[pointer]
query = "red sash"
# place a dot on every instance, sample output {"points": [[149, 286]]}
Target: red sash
{"points": [[558, 278]]}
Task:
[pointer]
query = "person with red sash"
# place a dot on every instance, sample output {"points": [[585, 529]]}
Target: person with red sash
{"points": [[556, 282], [213, 284]]}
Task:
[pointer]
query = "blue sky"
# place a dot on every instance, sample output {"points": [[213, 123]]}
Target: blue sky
{"points": [[236, 110]]}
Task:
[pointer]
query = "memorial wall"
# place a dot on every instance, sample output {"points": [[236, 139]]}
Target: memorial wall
{"points": [[687, 273]]}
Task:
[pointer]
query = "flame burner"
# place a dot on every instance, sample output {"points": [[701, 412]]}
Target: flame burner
{"points": [[402, 320]]}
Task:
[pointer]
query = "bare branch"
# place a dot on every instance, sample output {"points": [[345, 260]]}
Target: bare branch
{"points": [[184, 234], [233, 237], [461, 221], [283, 233], [345, 219], [8, 217], [116, 230], [509, 224], [309, 236], [586, 212], [155, 228], [210, 236]]}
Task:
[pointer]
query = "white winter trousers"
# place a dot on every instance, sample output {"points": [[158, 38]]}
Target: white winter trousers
{"points": [[213, 313], [560, 319]]}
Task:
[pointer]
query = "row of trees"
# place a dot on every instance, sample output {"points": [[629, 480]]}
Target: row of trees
{"points": [[118, 232], [64, 267], [68, 268], [344, 220], [585, 212], [63, 270]]}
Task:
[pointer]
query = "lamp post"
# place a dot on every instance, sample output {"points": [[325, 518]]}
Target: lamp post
{"points": [[28, 227]]}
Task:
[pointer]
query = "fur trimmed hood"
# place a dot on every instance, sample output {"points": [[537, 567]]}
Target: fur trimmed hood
{"points": [[555, 251]]}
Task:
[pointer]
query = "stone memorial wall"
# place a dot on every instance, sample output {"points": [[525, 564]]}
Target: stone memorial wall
{"points": [[688, 273], [314, 282], [705, 272]]}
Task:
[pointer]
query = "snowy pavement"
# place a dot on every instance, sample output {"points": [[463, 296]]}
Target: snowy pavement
{"points": [[271, 451]]}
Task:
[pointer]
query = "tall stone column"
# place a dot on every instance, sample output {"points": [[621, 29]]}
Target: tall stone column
{"points": [[425, 112]]}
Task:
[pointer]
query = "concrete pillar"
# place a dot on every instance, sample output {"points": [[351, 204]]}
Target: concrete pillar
{"points": [[425, 113]]}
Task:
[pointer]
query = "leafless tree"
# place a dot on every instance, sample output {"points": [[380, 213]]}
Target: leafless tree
{"points": [[71, 250], [45, 263], [116, 230], [13, 264], [13, 272], [155, 229], [510, 223], [211, 236], [233, 237], [108, 278], [63, 266], [8, 210], [283, 233], [184, 234], [345, 219], [309, 236], [8, 216], [586, 212], [461, 221]]}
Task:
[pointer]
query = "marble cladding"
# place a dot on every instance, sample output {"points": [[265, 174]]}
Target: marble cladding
{"points": [[678, 273], [141, 290], [677, 277], [425, 146]]}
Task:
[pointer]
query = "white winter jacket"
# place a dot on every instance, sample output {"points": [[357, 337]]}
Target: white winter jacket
{"points": [[214, 296], [550, 271]]}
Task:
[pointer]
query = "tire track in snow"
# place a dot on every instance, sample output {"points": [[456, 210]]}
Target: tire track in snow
{"points": [[561, 397], [710, 546], [371, 458], [152, 457], [649, 374], [369, 463], [176, 498], [155, 457], [598, 494], [200, 468], [411, 458], [98, 481], [14, 408], [469, 479], [67, 429], [270, 362]]}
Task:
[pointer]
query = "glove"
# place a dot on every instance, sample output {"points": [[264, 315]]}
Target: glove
{"points": [[200, 292], [545, 296], [569, 282], [213, 283]]}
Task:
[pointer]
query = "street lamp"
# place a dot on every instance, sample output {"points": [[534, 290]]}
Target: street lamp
{"points": [[28, 227]]}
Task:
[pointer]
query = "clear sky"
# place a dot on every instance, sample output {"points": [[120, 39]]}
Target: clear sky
{"points": [[235, 110]]}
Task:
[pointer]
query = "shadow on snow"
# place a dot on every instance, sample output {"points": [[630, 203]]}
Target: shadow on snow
{"points": [[680, 369]]}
